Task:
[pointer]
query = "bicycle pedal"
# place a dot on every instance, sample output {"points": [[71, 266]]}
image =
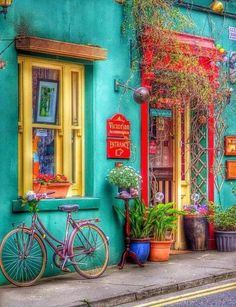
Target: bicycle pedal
{"points": [[66, 270]]}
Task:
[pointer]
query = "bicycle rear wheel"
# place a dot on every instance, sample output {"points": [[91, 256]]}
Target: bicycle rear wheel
{"points": [[23, 257], [89, 250]]}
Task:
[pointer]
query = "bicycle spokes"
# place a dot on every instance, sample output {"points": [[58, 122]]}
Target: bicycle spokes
{"points": [[23, 257], [90, 251]]}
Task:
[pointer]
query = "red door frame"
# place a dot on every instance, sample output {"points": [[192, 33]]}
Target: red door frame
{"points": [[205, 46]]}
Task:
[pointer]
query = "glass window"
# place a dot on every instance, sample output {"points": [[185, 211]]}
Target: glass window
{"points": [[50, 122]]}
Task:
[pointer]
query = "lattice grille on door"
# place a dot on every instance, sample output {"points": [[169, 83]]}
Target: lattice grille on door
{"points": [[198, 154]]}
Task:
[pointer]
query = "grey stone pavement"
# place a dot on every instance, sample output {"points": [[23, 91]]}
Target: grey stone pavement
{"points": [[130, 284]]}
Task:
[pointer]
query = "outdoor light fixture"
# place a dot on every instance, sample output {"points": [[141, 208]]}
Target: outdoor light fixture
{"points": [[217, 7], [5, 4], [141, 94]]}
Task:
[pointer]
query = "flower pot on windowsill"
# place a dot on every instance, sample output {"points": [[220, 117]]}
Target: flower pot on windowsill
{"points": [[60, 189], [39, 188]]}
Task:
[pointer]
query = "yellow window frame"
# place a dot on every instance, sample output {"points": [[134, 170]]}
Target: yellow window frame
{"points": [[64, 130]]}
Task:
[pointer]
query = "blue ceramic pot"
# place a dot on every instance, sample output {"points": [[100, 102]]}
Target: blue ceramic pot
{"points": [[141, 247]]}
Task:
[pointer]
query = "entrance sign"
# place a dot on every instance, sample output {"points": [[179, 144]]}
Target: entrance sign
{"points": [[160, 112], [118, 137], [118, 148]]}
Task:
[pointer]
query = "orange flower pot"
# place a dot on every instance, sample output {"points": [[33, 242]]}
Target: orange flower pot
{"points": [[39, 188], [160, 250], [60, 189]]}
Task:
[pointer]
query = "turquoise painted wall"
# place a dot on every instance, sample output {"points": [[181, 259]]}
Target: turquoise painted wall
{"points": [[83, 22]]}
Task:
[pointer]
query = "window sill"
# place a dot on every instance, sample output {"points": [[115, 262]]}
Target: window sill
{"points": [[85, 203]]}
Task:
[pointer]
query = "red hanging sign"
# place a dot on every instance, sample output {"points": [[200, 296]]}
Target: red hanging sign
{"points": [[118, 126], [118, 148], [118, 137]]}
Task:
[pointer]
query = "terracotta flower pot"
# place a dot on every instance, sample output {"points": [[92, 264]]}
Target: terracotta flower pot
{"points": [[60, 189], [160, 250], [39, 188]]}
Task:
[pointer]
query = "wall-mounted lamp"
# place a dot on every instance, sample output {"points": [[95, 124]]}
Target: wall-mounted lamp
{"points": [[5, 4], [217, 6], [140, 95]]}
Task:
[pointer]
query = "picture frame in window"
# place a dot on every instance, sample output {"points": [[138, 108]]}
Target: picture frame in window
{"points": [[47, 102]]}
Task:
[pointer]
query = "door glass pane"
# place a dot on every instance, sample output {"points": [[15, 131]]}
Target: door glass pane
{"points": [[161, 157], [43, 152]]}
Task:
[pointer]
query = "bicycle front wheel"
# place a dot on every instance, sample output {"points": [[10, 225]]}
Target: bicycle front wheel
{"points": [[89, 251], [23, 257]]}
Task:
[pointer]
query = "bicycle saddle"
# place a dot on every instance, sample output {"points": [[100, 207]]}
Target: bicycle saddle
{"points": [[68, 208]]}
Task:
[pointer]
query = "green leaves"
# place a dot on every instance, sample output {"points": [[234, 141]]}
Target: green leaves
{"points": [[138, 214], [124, 177], [225, 219], [163, 218]]}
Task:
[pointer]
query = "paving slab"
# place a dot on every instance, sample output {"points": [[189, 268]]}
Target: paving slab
{"points": [[123, 286]]}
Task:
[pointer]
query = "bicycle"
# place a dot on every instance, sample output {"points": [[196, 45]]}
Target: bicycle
{"points": [[23, 255]]}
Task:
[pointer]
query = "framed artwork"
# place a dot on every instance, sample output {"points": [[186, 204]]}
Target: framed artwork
{"points": [[47, 101], [230, 145], [230, 169]]}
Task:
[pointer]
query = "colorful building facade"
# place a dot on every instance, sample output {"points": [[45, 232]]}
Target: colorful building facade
{"points": [[58, 94]]}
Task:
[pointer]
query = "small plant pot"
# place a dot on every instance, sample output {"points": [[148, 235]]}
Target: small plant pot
{"points": [[141, 247], [225, 241], [160, 250], [123, 192]]}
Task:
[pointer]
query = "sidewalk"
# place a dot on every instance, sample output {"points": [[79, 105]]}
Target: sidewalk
{"points": [[122, 286]]}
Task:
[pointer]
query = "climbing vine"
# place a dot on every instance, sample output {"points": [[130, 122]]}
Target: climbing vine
{"points": [[178, 75]]}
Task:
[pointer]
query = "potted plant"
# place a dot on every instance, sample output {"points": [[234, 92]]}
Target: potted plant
{"points": [[126, 179], [58, 185], [162, 219], [140, 229], [196, 225], [225, 229]]}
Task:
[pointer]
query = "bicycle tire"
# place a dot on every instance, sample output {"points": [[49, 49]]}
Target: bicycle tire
{"points": [[19, 269], [91, 251]]}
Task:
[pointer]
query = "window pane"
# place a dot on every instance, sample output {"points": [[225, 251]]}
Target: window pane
{"points": [[43, 152], [75, 98]]}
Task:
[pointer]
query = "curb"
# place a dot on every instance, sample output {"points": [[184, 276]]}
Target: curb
{"points": [[153, 291]]}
